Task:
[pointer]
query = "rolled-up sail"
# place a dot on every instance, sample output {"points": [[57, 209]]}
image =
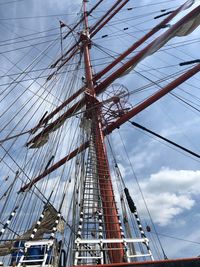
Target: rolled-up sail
{"points": [[183, 27], [46, 226]]}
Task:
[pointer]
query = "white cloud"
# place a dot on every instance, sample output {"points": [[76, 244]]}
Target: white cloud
{"points": [[168, 193], [185, 128], [149, 156]]}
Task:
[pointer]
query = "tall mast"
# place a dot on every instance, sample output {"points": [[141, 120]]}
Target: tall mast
{"points": [[99, 233], [109, 209]]}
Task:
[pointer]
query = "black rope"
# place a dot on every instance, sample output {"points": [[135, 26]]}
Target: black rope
{"points": [[133, 209], [189, 62], [165, 139]]}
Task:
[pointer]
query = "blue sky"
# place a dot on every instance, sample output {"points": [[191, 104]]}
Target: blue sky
{"points": [[169, 180]]}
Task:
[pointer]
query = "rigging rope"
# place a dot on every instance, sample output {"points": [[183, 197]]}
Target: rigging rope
{"points": [[165, 139]]}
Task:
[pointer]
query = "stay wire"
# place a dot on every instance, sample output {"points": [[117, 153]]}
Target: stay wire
{"points": [[124, 186], [21, 130], [11, 2], [143, 198], [37, 17], [171, 147], [42, 53], [163, 138], [177, 238], [27, 35]]}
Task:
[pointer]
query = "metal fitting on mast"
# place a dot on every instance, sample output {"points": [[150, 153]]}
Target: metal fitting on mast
{"points": [[85, 37]]}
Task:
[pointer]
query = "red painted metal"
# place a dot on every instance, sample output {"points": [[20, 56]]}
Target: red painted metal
{"points": [[110, 215], [66, 115], [65, 54], [102, 86], [104, 16], [139, 42], [138, 57], [190, 262], [116, 254], [75, 26], [54, 167], [65, 103], [71, 98], [76, 47], [152, 99], [82, 19], [135, 59], [131, 49], [109, 18]]}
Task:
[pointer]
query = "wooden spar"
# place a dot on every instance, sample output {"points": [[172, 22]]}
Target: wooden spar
{"points": [[152, 99], [138, 43], [54, 167], [134, 111], [102, 86], [104, 16], [109, 18]]}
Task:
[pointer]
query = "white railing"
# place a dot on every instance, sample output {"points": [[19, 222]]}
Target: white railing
{"points": [[42, 259], [90, 247]]}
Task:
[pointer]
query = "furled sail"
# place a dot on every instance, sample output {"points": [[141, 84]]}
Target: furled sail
{"points": [[43, 139], [183, 27], [45, 227], [188, 25]]}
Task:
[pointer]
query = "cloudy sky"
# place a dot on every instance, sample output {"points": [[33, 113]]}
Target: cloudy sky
{"points": [[168, 178]]}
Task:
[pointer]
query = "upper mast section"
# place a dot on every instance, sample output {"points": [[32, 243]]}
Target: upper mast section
{"points": [[85, 38]]}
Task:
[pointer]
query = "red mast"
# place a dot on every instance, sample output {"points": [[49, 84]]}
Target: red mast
{"points": [[110, 215], [116, 251]]}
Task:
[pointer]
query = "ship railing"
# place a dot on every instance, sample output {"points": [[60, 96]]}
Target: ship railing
{"points": [[40, 259], [97, 247]]}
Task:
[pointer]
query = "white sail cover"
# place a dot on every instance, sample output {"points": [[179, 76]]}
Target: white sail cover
{"points": [[183, 29]]}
